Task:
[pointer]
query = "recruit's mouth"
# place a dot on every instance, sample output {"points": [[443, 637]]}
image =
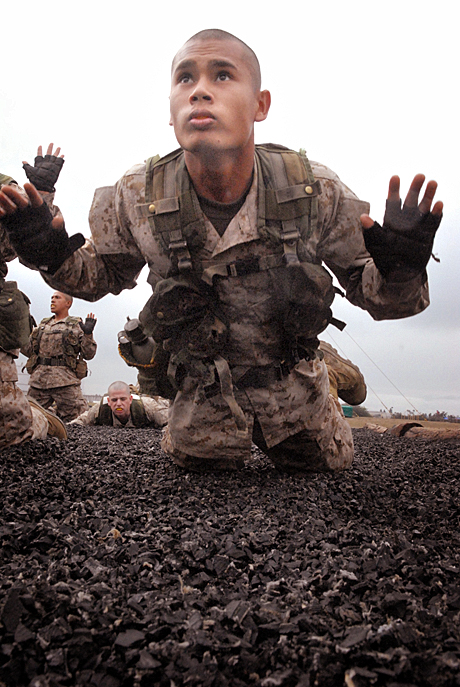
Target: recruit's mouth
{"points": [[200, 115]]}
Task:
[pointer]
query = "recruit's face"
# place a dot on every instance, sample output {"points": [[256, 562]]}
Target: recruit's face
{"points": [[120, 403], [214, 102], [59, 303]]}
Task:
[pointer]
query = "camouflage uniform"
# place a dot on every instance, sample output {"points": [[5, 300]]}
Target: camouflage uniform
{"points": [[53, 380], [294, 420], [19, 421], [156, 412]]}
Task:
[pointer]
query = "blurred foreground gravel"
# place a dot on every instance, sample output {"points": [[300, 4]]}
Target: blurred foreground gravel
{"points": [[119, 569]]}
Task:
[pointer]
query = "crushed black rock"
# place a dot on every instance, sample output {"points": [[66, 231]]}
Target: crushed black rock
{"points": [[119, 569]]}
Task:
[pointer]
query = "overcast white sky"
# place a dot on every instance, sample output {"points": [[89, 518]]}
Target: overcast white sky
{"points": [[368, 88]]}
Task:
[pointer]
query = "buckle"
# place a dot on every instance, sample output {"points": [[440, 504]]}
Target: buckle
{"points": [[240, 268], [184, 262], [283, 369], [290, 235], [178, 244]]}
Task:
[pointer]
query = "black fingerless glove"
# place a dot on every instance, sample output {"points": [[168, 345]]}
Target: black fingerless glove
{"points": [[36, 241], [88, 325], [45, 172], [405, 242]]}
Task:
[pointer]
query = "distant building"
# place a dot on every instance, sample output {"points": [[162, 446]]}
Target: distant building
{"points": [[379, 413], [93, 398]]}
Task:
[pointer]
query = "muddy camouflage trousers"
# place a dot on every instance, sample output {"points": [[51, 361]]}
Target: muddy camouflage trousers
{"points": [[18, 421], [69, 400], [297, 423]]}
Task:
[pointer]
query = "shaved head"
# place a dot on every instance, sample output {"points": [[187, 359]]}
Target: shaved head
{"points": [[219, 35], [119, 386], [66, 297]]}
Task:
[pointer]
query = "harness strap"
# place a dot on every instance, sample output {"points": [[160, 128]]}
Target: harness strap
{"points": [[164, 200], [5, 180], [240, 268], [316, 186], [38, 337], [174, 214], [260, 377], [138, 414], [226, 389], [169, 181], [290, 234]]}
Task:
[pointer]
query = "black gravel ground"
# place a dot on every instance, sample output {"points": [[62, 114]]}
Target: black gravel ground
{"points": [[119, 569]]}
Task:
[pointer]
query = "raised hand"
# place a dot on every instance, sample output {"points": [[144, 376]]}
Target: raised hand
{"points": [[88, 325], [405, 241], [36, 237], [46, 170]]}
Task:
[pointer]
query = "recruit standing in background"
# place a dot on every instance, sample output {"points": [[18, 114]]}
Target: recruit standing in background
{"points": [[57, 350]]}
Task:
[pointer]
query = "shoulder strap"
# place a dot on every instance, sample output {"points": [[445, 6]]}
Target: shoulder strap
{"points": [[172, 209], [288, 193], [104, 416], [71, 345], [5, 179], [38, 333], [138, 414]]}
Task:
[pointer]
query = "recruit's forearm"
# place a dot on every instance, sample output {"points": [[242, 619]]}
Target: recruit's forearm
{"points": [[91, 276]]}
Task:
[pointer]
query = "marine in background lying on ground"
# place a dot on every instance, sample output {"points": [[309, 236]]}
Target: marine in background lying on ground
{"points": [[120, 409]]}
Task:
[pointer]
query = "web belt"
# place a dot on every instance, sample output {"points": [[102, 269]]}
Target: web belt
{"points": [[259, 377], [53, 362]]}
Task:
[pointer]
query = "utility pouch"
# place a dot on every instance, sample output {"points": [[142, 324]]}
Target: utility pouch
{"points": [[15, 319], [81, 368], [176, 303], [183, 314], [31, 363], [305, 295]]}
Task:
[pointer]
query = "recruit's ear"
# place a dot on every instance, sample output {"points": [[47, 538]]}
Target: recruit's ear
{"points": [[264, 100]]}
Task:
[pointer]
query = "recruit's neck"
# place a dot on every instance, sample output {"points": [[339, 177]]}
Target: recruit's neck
{"points": [[221, 178]]}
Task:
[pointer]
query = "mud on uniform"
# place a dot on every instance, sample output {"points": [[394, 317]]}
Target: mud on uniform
{"points": [[19, 421], [296, 409]]}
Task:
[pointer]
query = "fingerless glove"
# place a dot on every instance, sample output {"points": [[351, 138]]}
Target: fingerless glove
{"points": [[36, 241]]}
